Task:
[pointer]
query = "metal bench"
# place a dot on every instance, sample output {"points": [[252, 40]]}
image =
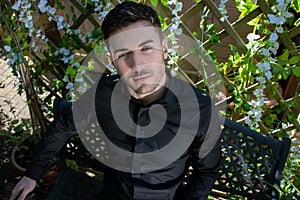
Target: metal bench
{"points": [[252, 165]]}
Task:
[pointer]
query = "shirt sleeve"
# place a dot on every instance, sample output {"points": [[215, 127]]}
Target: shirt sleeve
{"points": [[52, 142], [205, 158], [59, 132]]}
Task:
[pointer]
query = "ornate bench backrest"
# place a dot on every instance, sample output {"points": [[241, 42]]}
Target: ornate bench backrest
{"points": [[252, 162]]}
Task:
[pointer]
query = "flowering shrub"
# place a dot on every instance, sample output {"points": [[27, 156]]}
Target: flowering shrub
{"points": [[45, 46]]}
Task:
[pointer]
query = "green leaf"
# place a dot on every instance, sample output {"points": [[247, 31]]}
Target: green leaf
{"points": [[154, 3], [8, 40], [286, 73], [294, 60], [295, 104], [69, 70], [270, 119], [13, 122], [296, 5], [292, 116], [297, 23], [285, 55], [164, 3], [296, 71]]}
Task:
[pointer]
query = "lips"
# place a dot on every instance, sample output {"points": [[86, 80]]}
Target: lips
{"points": [[142, 78]]}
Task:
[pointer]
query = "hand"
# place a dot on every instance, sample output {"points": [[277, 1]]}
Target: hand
{"points": [[23, 188]]}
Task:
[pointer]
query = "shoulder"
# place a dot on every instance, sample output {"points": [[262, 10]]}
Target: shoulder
{"points": [[107, 81], [186, 89]]}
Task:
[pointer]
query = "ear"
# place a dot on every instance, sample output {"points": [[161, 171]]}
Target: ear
{"points": [[165, 47]]}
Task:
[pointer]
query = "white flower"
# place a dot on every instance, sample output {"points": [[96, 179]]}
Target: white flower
{"points": [[281, 20], [82, 89], [257, 114], [252, 103], [171, 62], [276, 20], [280, 7], [260, 79], [258, 92], [59, 26], [276, 44], [71, 57], [273, 36], [252, 37], [273, 50], [265, 52], [103, 13], [178, 31], [247, 120], [267, 66], [280, 2], [7, 48], [60, 19], [69, 31], [222, 19], [287, 14], [69, 85], [173, 27], [174, 72], [11, 61], [17, 5], [66, 79], [65, 59], [97, 8], [268, 74], [178, 6], [284, 125], [279, 29], [52, 10], [172, 2], [79, 80], [263, 66], [66, 51], [42, 5], [272, 59], [75, 64]]}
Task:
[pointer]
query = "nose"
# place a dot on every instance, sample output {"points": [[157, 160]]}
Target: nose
{"points": [[136, 59]]}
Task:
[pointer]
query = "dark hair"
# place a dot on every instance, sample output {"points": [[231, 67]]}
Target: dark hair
{"points": [[127, 13]]}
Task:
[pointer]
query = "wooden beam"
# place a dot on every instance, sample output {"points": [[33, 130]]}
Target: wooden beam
{"points": [[227, 26]]}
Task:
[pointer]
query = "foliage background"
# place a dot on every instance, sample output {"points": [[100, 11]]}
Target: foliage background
{"points": [[256, 51]]}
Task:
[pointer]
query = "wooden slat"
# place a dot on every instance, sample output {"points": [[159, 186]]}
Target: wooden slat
{"points": [[236, 26], [195, 9], [227, 26], [85, 12]]}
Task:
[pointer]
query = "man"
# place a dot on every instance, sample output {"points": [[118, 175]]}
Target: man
{"points": [[139, 165]]}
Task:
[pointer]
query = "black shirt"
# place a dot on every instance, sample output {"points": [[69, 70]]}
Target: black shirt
{"points": [[186, 117]]}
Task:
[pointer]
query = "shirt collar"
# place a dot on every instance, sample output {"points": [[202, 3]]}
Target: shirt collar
{"points": [[169, 97]]}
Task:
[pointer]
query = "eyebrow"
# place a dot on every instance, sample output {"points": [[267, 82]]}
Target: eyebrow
{"points": [[143, 43]]}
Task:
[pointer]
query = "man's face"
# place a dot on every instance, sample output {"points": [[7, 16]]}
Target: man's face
{"points": [[138, 54]]}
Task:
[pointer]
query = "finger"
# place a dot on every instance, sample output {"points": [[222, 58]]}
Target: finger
{"points": [[15, 192], [29, 196], [23, 195]]}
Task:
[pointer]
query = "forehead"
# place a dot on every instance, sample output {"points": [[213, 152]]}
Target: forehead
{"points": [[132, 36]]}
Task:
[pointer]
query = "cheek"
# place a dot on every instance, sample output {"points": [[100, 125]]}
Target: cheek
{"points": [[122, 70]]}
